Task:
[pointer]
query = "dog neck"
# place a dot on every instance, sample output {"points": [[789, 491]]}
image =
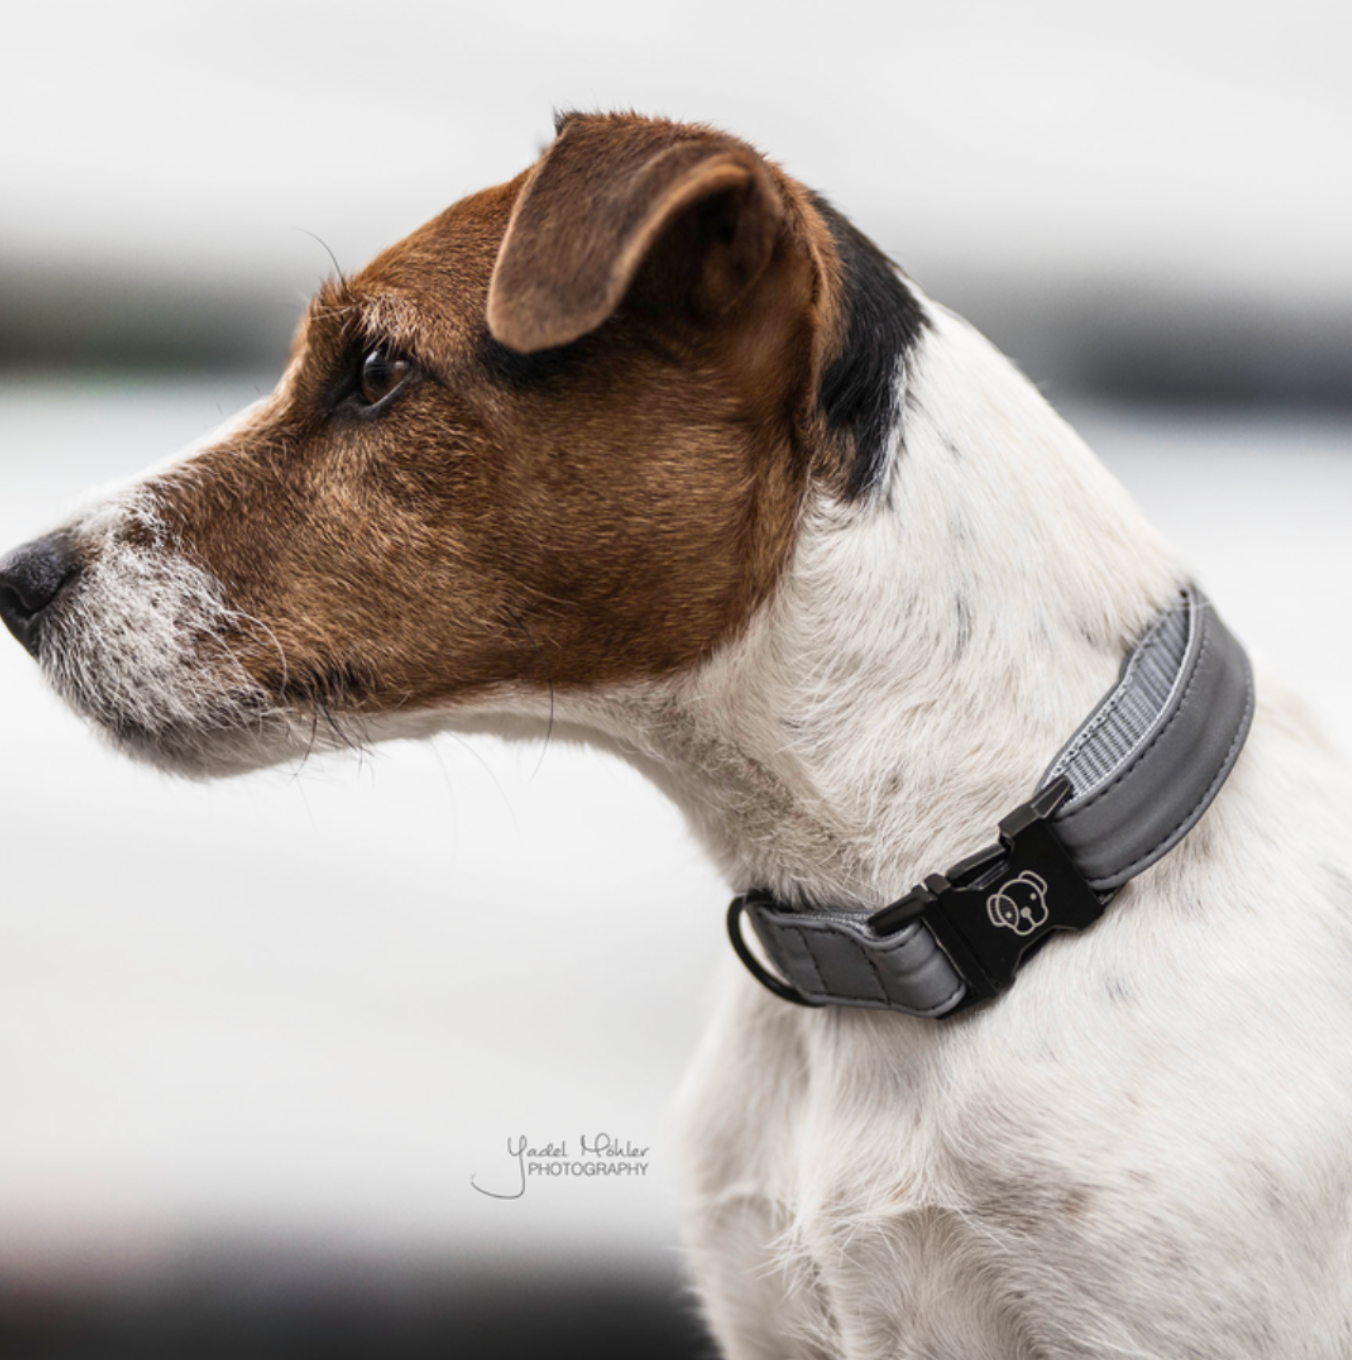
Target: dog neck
{"points": [[927, 653]]}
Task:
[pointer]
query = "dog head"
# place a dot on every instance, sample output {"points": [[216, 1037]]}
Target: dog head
{"points": [[1019, 905], [557, 439]]}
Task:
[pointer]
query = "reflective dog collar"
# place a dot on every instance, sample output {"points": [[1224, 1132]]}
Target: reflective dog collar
{"points": [[1124, 790]]}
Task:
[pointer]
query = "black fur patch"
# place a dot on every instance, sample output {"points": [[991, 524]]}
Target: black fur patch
{"points": [[883, 321]]}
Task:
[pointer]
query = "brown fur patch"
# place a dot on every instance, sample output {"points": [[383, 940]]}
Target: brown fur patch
{"points": [[603, 512], [593, 214]]}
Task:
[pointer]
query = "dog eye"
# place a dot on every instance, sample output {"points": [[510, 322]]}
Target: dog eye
{"points": [[381, 373]]}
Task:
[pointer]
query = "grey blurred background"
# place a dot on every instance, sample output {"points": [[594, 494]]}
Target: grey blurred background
{"points": [[256, 1038]]}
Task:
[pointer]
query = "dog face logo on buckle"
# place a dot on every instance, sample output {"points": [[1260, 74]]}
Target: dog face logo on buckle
{"points": [[1019, 905]]}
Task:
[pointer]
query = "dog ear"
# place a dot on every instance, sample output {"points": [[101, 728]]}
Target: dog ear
{"points": [[674, 215]]}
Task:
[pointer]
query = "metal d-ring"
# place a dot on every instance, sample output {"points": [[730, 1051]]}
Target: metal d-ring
{"points": [[766, 979]]}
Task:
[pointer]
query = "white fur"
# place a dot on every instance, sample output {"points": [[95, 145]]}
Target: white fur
{"points": [[136, 649], [141, 648], [1145, 1148]]}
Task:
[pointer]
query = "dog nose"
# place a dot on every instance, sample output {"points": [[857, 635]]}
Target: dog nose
{"points": [[31, 578]]}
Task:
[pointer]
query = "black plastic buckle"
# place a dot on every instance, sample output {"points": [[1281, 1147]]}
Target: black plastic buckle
{"points": [[992, 909]]}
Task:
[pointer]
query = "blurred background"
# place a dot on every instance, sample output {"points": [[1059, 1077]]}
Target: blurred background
{"points": [[256, 1038]]}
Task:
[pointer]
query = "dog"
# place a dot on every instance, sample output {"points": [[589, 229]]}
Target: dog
{"points": [[651, 444]]}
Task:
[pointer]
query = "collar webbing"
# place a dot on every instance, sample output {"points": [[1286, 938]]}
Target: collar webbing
{"points": [[1122, 792]]}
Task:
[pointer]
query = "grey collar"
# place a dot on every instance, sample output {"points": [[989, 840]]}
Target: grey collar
{"points": [[1124, 790]]}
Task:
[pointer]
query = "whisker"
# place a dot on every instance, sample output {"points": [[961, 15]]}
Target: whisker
{"points": [[488, 770], [549, 679], [338, 269]]}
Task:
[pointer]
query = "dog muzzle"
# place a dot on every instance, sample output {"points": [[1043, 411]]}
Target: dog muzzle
{"points": [[1124, 790]]}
